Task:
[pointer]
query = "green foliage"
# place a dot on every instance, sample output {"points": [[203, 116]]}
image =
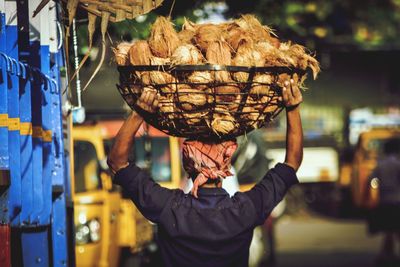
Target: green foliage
{"points": [[367, 24]]}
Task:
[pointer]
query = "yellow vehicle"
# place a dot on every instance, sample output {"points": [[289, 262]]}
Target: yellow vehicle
{"points": [[368, 150], [105, 221]]}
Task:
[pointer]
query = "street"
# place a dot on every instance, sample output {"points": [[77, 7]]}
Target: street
{"points": [[310, 240]]}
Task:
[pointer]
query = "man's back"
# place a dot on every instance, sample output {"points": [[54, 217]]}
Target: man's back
{"points": [[213, 230], [208, 229]]}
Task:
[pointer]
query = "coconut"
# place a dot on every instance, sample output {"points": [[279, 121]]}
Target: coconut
{"points": [[233, 107], [252, 25], [273, 56], [219, 53], [249, 115], [246, 55], [226, 93], [186, 55], [207, 34], [160, 77], [194, 118], [200, 79], [223, 122], [186, 36], [236, 36], [190, 99], [121, 53], [261, 85], [140, 54], [163, 38], [167, 106]]}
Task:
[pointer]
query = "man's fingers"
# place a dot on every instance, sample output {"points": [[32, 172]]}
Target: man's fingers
{"points": [[285, 95], [146, 96], [155, 103]]}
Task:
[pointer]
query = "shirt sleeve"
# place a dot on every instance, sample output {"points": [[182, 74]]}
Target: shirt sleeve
{"points": [[149, 197], [271, 189]]}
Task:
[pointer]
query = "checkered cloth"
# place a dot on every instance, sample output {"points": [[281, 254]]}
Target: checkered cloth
{"points": [[207, 161]]}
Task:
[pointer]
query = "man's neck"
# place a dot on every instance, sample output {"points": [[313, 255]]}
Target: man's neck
{"points": [[219, 185]]}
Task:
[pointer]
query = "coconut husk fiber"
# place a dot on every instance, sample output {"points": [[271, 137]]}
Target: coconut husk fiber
{"points": [[163, 38], [223, 122], [187, 33], [253, 26], [121, 53]]}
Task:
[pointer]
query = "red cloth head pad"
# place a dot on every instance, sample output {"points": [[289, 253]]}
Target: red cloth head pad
{"points": [[207, 160]]}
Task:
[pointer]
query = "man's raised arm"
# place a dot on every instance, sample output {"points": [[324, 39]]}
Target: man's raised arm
{"points": [[272, 188], [294, 132], [148, 196], [118, 157]]}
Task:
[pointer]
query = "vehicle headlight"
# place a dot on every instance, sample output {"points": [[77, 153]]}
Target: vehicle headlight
{"points": [[82, 234], [87, 232], [94, 227]]}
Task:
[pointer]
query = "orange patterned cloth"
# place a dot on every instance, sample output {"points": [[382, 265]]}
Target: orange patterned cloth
{"points": [[207, 161]]}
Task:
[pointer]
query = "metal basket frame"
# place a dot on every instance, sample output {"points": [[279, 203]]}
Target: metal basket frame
{"points": [[128, 80]]}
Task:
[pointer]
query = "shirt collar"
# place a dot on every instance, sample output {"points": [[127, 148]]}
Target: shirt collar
{"points": [[214, 191]]}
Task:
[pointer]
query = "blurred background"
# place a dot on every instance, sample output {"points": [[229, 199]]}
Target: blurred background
{"points": [[349, 112]]}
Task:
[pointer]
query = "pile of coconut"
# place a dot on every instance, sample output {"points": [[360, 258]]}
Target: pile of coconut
{"points": [[213, 102]]}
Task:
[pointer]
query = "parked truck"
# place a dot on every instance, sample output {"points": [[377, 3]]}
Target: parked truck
{"points": [[35, 197]]}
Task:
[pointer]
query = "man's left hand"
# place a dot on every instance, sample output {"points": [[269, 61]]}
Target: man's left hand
{"points": [[291, 93], [148, 100]]}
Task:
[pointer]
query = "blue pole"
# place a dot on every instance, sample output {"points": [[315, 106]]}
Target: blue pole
{"points": [[47, 114], [4, 156], [37, 131], [13, 113], [4, 159], [59, 215], [25, 114], [36, 249]]}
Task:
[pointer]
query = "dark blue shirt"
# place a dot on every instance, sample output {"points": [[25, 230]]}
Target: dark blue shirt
{"points": [[214, 230]]}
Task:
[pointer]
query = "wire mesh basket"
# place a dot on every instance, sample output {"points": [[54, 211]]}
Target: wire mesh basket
{"points": [[207, 108]]}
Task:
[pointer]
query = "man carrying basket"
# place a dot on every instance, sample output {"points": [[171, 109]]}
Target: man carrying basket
{"points": [[207, 227]]}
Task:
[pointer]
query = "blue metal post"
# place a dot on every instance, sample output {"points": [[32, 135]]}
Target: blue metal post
{"points": [[38, 231], [4, 157], [13, 113], [4, 164], [25, 114], [37, 98], [48, 157], [59, 215]]}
